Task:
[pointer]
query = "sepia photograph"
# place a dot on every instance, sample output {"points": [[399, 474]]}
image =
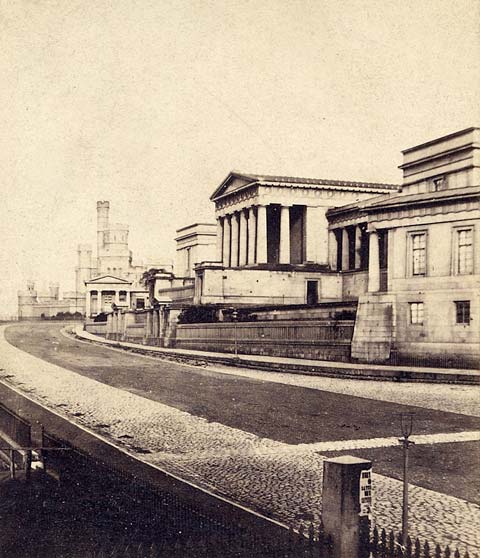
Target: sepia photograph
{"points": [[240, 287]]}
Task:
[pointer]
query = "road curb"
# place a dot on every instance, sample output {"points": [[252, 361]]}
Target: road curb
{"points": [[314, 368]]}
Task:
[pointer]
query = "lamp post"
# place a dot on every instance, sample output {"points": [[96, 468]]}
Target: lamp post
{"points": [[406, 422]]}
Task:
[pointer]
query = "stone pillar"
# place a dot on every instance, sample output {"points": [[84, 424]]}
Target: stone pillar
{"points": [[109, 326], [156, 323], [148, 326], [242, 254], [117, 324], [162, 314], [171, 328], [261, 234], [128, 300], [373, 262], [123, 327], [252, 235], [226, 240], [346, 504], [284, 256], [358, 247], [219, 239], [345, 250], [234, 249], [117, 297], [88, 304], [332, 250]]}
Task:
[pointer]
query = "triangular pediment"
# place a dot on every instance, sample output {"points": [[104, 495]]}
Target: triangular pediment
{"points": [[234, 182], [108, 279]]}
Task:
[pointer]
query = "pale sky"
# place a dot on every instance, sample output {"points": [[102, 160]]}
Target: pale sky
{"points": [[150, 103]]}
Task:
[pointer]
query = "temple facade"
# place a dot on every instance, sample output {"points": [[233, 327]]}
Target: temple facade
{"points": [[272, 239]]}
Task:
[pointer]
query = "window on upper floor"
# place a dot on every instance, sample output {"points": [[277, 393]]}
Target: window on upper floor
{"points": [[463, 251], [418, 253], [462, 311], [416, 313], [439, 183]]}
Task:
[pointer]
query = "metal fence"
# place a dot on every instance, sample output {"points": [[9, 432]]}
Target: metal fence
{"points": [[302, 338], [311, 543], [389, 545], [14, 427]]}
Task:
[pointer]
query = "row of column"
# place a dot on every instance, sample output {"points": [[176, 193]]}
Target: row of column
{"points": [[99, 300], [242, 237], [373, 254]]}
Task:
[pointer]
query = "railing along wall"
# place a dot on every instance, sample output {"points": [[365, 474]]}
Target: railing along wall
{"points": [[302, 338]]}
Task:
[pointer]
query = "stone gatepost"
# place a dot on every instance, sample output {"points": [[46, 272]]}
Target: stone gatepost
{"points": [[347, 505], [109, 328], [171, 328]]}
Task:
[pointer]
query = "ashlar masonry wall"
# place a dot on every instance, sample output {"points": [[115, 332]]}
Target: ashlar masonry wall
{"points": [[255, 286]]}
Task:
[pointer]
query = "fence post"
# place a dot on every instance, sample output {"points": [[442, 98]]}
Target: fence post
{"points": [[346, 505]]}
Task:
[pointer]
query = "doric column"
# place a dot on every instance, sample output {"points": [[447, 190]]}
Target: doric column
{"points": [[226, 241], [252, 235], [332, 250], [128, 301], [358, 247], [373, 262], [242, 254], [284, 256], [234, 249], [261, 234], [117, 297], [220, 222], [345, 250]]}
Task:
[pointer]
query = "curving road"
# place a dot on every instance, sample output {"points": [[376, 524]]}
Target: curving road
{"points": [[286, 413]]}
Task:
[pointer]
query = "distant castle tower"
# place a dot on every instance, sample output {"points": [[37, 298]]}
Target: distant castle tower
{"points": [[26, 300], [85, 268], [54, 291], [113, 255], [103, 209]]}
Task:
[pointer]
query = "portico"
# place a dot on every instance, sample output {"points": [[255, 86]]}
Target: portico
{"points": [[104, 291], [280, 220]]}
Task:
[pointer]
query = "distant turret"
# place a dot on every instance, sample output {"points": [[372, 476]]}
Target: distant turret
{"points": [[83, 271], [54, 290], [103, 208]]}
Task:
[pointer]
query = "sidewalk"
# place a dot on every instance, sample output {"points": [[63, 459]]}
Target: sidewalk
{"points": [[305, 366]]}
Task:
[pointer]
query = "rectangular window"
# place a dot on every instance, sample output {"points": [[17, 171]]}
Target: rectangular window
{"points": [[418, 253], [462, 308], [464, 263], [416, 313]]}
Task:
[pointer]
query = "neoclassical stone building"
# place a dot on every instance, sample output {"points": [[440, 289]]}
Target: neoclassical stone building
{"points": [[408, 255], [418, 283], [272, 239]]}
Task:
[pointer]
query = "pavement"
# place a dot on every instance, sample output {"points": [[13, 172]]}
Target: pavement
{"points": [[305, 366], [279, 474]]}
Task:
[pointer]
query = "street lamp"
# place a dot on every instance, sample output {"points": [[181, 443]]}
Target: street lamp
{"points": [[406, 422]]}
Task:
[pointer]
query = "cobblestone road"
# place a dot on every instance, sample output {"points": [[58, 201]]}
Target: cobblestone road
{"points": [[278, 479]]}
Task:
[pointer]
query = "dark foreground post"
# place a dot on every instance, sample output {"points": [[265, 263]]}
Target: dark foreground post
{"points": [[407, 428], [346, 504]]}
